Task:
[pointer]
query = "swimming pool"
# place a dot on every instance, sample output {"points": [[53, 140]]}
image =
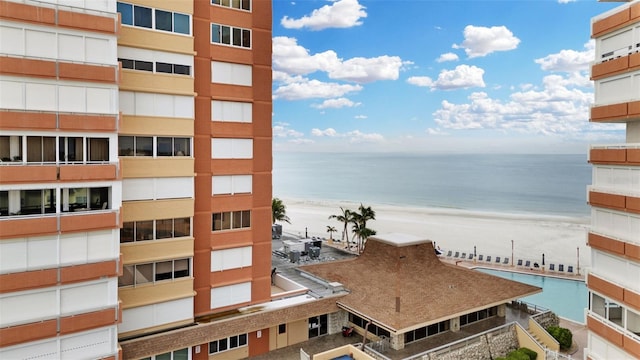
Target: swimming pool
{"points": [[566, 298]]}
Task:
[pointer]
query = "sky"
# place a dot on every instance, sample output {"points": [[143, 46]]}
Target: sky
{"points": [[499, 76]]}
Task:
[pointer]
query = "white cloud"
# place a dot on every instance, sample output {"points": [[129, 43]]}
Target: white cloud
{"points": [[423, 81], [340, 14], [355, 136], [569, 60], [462, 77], [291, 58], [560, 108], [364, 70], [302, 141], [481, 41], [447, 57], [309, 89], [336, 104], [330, 132], [565, 1], [360, 117], [282, 130]]}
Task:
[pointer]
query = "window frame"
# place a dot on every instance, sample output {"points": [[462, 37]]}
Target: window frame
{"points": [[230, 4], [230, 343], [227, 31], [135, 15]]}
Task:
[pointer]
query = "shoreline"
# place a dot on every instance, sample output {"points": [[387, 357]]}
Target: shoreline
{"points": [[560, 238]]}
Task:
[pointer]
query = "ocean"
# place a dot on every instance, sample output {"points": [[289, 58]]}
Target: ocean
{"points": [[502, 183]]}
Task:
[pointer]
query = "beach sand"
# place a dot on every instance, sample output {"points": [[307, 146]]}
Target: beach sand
{"points": [[557, 237]]}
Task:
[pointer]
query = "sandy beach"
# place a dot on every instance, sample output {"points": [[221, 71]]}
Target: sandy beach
{"points": [[557, 237]]}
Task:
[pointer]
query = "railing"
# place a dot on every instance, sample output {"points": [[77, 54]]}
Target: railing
{"points": [[58, 7], [614, 326]]}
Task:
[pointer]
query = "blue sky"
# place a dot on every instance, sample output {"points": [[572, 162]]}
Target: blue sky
{"points": [[435, 76]]}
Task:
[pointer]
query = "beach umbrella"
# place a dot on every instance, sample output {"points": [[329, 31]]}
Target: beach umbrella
{"points": [[542, 259]]}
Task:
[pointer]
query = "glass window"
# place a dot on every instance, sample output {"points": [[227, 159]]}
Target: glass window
{"points": [[144, 273], [127, 276], [226, 35], [242, 339], [181, 268], [142, 17], [165, 356], [4, 203], [246, 38], [182, 354], [246, 5], [127, 231], [126, 13], [237, 219], [164, 270], [164, 67], [246, 218], [182, 227], [98, 149], [144, 146], [182, 69], [237, 37], [221, 221], [144, 230], [164, 20], [182, 147], [164, 229], [126, 63], [143, 65], [181, 24], [222, 344], [164, 146], [125, 146], [215, 33]]}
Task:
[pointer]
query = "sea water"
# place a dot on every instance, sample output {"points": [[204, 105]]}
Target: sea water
{"points": [[506, 183]]}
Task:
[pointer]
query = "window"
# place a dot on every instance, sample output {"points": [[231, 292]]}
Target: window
{"points": [[231, 220], [228, 35], [231, 111], [164, 229], [41, 201], [282, 328], [235, 4], [10, 148], [182, 354], [160, 67], [154, 272], [234, 258], [154, 18], [426, 331], [478, 315], [232, 184], [230, 73], [318, 325], [170, 146], [227, 343], [84, 199], [4, 203], [41, 149], [70, 149], [98, 149], [231, 148]]}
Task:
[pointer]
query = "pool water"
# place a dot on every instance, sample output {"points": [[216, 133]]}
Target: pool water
{"points": [[566, 298]]}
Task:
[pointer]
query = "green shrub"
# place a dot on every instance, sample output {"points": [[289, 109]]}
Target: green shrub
{"points": [[532, 354], [562, 335], [517, 355]]}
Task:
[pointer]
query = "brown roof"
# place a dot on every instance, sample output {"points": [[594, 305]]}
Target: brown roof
{"points": [[429, 290]]}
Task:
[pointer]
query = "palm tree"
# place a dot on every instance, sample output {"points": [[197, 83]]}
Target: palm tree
{"points": [[279, 211], [345, 218], [359, 221], [331, 230]]}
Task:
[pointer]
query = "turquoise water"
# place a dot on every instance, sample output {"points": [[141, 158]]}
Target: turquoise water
{"points": [[566, 298]]}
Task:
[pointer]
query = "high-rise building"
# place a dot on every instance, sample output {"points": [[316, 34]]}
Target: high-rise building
{"points": [[60, 180], [613, 316]]}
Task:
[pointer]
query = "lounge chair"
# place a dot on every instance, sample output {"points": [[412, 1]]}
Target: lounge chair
{"points": [[457, 254], [488, 258], [506, 261], [552, 267], [570, 269], [497, 259], [519, 262], [561, 267], [449, 253], [527, 263], [470, 256], [480, 257]]}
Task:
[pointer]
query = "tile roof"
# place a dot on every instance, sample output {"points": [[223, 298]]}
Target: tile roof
{"points": [[396, 266]]}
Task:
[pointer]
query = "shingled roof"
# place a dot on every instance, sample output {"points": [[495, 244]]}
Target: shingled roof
{"points": [[401, 284]]}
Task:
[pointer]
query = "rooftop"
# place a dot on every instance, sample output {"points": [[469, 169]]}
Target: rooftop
{"points": [[401, 284]]}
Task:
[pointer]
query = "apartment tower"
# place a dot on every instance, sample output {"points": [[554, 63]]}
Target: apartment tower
{"points": [[613, 316], [60, 180], [135, 182]]}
